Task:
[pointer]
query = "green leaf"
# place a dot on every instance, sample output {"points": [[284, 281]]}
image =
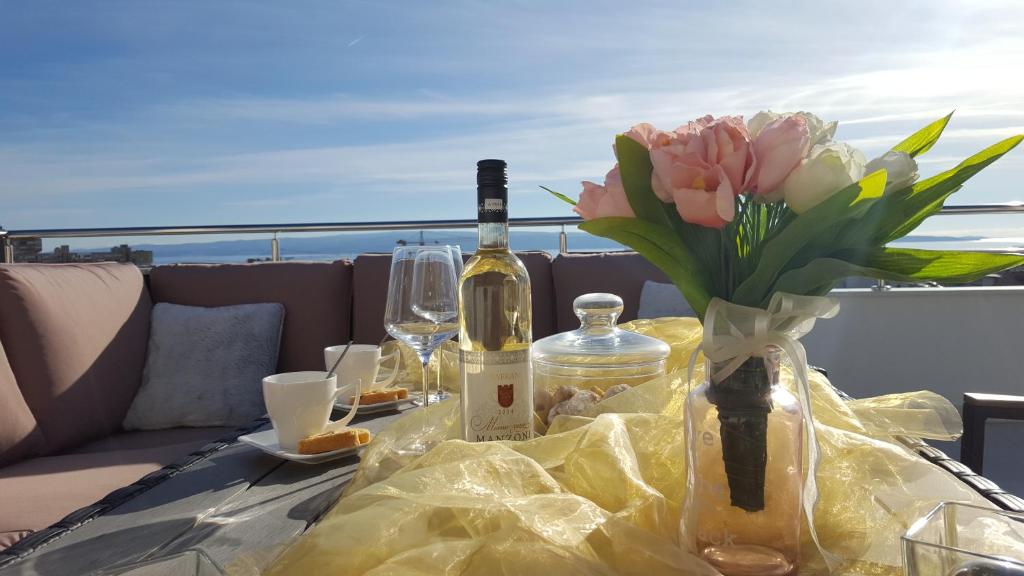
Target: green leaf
{"points": [[823, 272], [940, 265], [922, 141], [900, 264], [906, 209], [560, 196], [705, 244], [635, 167], [804, 231], [895, 215], [900, 212], [663, 248]]}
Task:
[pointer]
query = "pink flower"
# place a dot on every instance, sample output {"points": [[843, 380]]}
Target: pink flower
{"points": [[697, 168], [696, 125], [598, 201], [652, 139], [778, 148], [685, 145], [728, 146], [702, 193], [649, 136]]}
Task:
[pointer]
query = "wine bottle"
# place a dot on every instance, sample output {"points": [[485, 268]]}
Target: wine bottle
{"points": [[495, 324]]}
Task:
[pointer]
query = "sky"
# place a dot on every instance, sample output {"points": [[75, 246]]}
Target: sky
{"points": [[139, 113]]}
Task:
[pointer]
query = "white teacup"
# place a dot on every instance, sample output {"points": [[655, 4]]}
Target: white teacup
{"points": [[362, 363], [300, 403]]}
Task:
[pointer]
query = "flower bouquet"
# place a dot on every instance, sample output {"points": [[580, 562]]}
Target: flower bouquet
{"points": [[755, 223], [741, 211]]}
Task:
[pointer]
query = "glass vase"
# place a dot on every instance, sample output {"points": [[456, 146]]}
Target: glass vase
{"points": [[744, 437]]}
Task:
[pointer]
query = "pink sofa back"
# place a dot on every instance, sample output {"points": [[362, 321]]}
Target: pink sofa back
{"points": [[75, 336], [370, 289], [317, 297], [20, 435], [621, 273]]}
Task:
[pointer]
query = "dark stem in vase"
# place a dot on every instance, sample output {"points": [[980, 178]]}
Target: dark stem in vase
{"points": [[743, 399]]}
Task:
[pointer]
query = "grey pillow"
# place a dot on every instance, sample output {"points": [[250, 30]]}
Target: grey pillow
{"points": [[205, 366], [659, 300]]}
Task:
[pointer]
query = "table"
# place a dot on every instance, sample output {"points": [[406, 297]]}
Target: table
{"points": [[240, 506]]}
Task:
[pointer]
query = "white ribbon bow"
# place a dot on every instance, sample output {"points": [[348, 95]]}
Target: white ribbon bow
{"points": [[734, 333]]}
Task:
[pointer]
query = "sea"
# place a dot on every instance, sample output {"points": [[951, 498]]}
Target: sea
{"points": [[1005, 244], [159, 259]]}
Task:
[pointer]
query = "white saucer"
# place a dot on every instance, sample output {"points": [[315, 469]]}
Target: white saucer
{"points": [[266, 440]]}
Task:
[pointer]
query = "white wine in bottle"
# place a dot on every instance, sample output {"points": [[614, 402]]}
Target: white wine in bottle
{"points": [[495, 324]]}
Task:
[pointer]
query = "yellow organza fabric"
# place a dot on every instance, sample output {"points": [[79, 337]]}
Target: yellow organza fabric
{"points": [[601, 494]]}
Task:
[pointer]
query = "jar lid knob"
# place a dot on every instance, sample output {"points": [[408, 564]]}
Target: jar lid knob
{"points": [[597, 304]]}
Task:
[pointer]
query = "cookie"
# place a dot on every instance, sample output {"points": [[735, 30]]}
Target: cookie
{"points": [[334, 440], [379, 396]]}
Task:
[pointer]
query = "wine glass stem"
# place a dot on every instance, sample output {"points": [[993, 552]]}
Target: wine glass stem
{"points": [[426, 382]]}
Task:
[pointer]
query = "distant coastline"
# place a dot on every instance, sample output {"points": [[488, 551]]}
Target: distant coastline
{"points": [[349, 245]]}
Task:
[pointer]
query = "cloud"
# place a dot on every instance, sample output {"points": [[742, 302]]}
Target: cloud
{"points": [[399, 106], [340, 107], [429, 165], [969, 134], [553, 139], [260, 203]]}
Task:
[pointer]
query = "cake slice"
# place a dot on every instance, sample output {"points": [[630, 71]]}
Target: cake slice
{"points": [[332, 440], [379, 396]]}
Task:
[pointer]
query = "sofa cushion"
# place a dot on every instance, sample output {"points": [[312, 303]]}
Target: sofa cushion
{"points": [[75, 335], [205, 366], [621, 273], [658, 300], [317, 297], [370, 275], [19, 433], [38, 492], [370, 290], [156, 441], [542, 292]]}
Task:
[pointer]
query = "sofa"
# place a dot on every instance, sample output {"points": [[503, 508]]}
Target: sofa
{"points": [[73, 341]]}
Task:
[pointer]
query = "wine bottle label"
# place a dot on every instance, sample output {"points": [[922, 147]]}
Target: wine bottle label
{"points": [[497, 395]]}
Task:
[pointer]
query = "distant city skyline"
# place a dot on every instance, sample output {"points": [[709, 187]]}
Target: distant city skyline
{"points": [[141, 113]]}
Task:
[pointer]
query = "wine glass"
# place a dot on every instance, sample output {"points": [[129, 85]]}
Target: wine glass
{"points": [[456, 253], [422, 308]]}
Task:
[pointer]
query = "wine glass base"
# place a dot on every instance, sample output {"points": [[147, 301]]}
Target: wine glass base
{"points": [[432, 398], [416, 447]]}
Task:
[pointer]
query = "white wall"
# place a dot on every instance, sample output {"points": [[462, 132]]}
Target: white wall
{"points": [[948, 340]]}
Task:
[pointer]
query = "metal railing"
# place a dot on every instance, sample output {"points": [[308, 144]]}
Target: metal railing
{"points": [[7, 237]]}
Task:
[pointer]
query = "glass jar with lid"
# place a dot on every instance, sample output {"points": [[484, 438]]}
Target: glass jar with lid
{"points": [[598, 354]]}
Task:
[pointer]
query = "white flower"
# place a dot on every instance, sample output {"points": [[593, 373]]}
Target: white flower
{"points": [[901, 169], [820, 132], [759, 121], [827, 169]]}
